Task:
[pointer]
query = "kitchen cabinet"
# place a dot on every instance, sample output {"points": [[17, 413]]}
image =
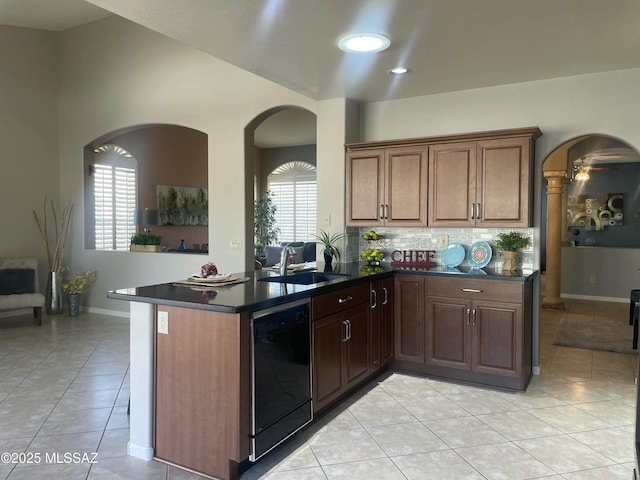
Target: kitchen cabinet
{"points": [[483, 183], [478, 331], [340, 342], [381, 324], [408, 309], [386, 186]]}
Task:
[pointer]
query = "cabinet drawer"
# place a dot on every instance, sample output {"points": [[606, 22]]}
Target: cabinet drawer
{"points": [[470, 288], [329, 303]]}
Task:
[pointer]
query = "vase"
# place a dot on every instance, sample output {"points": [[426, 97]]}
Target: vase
{"points": [[327, 262], [511, 260], [73, 304], [53, 294]]}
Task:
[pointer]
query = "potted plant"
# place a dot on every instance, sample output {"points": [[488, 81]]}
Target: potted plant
{"points": [[509, 244], [73, 286], [330, 250], [264, 222], [145, 242]]}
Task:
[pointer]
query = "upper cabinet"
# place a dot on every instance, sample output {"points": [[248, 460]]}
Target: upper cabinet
{"points": [[481, 179], [481, 184], [387, 186]]}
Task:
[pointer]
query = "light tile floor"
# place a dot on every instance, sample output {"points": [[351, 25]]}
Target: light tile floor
{"points": [[64, 390]]}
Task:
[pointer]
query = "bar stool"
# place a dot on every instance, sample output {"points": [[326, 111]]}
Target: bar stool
{"points": [[633, 315]]}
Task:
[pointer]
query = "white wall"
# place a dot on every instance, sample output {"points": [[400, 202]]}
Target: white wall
{"points": [[29, 138], [115, 74]]}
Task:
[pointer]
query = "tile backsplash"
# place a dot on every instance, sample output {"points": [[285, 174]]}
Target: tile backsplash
{"points": [[404, 238]]}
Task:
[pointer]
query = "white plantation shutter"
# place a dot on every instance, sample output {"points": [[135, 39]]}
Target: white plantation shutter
{"points": [[115, 186], [294, 192]]}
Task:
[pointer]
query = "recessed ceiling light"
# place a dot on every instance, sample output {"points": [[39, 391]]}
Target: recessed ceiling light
{"points": [[364, 43], [399, 71]]}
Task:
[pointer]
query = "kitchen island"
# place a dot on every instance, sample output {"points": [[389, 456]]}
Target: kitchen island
{"points": [[217, 372]]}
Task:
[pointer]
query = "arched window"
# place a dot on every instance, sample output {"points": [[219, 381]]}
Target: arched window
{"points": [[294, 191], [113, 181]]}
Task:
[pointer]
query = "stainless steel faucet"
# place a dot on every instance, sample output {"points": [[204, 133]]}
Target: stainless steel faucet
{"points": [[284, 257]]}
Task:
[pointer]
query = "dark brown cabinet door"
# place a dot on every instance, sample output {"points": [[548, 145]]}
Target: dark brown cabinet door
{"points": [[328, 334], [365, 188], [356, 344], [381, 324], [452, 184], [386, 310], [408, 307], [448, 333], [504, 188], [497, 347]]}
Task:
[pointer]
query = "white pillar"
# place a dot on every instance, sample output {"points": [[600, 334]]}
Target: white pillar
{"points": [[141, 381]]}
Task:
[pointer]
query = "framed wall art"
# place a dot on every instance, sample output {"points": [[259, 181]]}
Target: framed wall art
{"points": [[182, 205]]}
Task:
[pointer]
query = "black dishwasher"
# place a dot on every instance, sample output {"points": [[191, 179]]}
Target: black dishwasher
{"points": [[280, 374]]}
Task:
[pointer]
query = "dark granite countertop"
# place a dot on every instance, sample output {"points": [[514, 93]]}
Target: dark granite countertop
{"points": [[255, 294]]}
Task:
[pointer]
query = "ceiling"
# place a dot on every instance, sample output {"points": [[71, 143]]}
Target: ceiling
{"points": [[450, 45]]}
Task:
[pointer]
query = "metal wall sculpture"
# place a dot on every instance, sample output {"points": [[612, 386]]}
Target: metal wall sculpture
{"points": [[595, 213]]}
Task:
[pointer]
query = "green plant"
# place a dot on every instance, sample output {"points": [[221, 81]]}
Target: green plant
{"points": [[512, 241], [329, 243], [264, 221], [145, 239], [75, 284]]}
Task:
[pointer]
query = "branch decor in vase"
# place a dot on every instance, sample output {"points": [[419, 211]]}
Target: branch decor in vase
{"points": [[54, 243]]}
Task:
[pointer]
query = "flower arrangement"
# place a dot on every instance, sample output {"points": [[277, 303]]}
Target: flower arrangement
{"points": [[75, 284], [55, 250]]}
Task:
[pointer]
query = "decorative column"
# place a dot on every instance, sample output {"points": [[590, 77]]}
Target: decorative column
{"points": [[555, 188], [564, 240]]}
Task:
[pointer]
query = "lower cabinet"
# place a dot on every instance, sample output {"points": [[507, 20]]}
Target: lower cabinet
{"points": [[469, 330], [340, 353], [340, 342]]}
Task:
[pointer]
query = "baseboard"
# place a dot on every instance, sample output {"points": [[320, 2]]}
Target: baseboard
{"points": [[104, 311], [140, 451], [594, 298]]}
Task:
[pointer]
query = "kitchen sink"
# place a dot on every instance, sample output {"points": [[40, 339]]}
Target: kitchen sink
{"points": [[305, 278]]}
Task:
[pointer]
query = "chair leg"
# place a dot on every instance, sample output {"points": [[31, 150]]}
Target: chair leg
{"points": [[37, 315], [636, 314]]}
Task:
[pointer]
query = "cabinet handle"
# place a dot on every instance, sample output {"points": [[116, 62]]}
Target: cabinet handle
{"points": [[473, 314], [386, 295], [468, 317], [347, 330], [345, 299], [478, 211], [386, 211], [374, 298], [472, 290], [381, 212], [472, 211]]}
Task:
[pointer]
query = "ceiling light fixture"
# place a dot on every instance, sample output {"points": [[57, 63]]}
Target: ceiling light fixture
{"points": [[399, 71], [582, 175], [364, 43]]}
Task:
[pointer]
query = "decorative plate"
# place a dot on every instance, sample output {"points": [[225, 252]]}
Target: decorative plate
{"points": [[453, 255], [220, 277], [479, 254]]}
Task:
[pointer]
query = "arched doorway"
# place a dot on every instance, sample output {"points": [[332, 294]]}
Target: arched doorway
{"points": [[274, 138], [592, 199]]}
